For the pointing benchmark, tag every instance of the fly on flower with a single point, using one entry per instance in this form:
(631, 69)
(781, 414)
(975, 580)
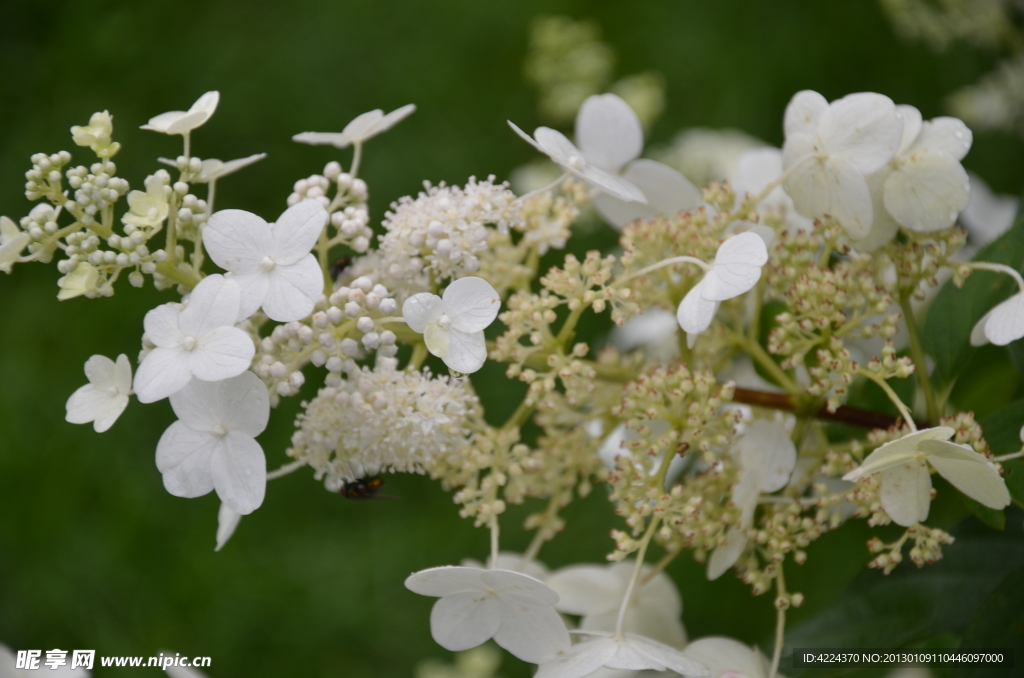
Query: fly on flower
(364, 488)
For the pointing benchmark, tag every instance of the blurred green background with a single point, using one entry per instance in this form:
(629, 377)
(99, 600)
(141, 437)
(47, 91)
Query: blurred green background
(95, 554)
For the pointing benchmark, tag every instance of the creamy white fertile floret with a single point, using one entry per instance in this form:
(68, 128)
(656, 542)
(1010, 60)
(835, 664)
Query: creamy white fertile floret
(271, 263)
(444, 228)
(829, 150)
(183, 122)
(212, 446)
(199, 340)
(104, 398)
(382, 420)
(453, 325)
(12, 241)
(611, 138)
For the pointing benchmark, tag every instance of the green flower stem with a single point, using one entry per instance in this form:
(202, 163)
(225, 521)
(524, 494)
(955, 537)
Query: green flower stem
(179, 276)
(765, 361)
(900, 405)
(920, 365)
(780, 624)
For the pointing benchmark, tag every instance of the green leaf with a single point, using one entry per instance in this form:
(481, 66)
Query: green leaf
(991, 517)
(998, 623)
(947, 329)
(1002, 433)
(988, 382)
(912, 607)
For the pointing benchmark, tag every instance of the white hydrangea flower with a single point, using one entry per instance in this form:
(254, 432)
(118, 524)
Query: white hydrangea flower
(509, 560)
(104, 398)
(553, 144)
(453, 325)
(12, 241)
(362, 128)
(829, 150)
(754, 171)
(595, 592)
(227, 522)
(183, 122)
(704, 155)
(198, 341)
(735, 270)
(766, 457)
(654, 331)
(1001, 325)
(906, 485)
(728, 658)
(213, 169)
(382, 420)
(8, 667)
(988, 215)
(271, 263)
(213, 444)
(476, 605)
(444, 228)
(611, 138)
(148, 208)
(82, 280)
(627, 652)
(923, 187)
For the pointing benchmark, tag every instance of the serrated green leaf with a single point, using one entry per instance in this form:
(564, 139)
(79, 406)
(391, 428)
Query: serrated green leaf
(947, 328)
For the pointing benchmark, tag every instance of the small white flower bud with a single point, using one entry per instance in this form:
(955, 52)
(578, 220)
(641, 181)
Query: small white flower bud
(334, 364)
(361, 244)
(350, 347)
(305, 334)
(296, 379)
(388, 306)
(387, 338)
(371, 340)
(332, 170)
(180, 187)
(334, 314)
(320, 320)
(278, 370)
(352, 309)
(136, 279)
(365, 324)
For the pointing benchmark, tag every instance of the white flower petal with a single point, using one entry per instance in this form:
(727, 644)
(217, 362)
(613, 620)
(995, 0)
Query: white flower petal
(161, 325)
(164, 371)
(804, 112)
(906, 492)
(737, 267)
(612, 184)
(240, 404)
(518, 587)
(927, 191)
(229, 167)
(896, 452)
(726, 555)
(768, 452)
(619, 213)
(586, 589)
(471, 304)
(526, 137)
(467, 351)
(969, 472)
(444, 581)
(227, 523)
(666, 190)
(213, 303)
(239, 471)
(533, 633)
(666, 656)
(864, 129)
(912, 122)
(828, 186)
(89, 404)
(184, 456)
(293, 290)
(336, 139)
(581, 660)
(988, 215)
(1006, 321)
(437, 340)
(558, 147)
(99, 370)
(695, 313)
(608, 132)
(362, 125)
(883, 227)
(221, 354)
(463, 620)
(393, 118)
(297, 231)
(421, 309)
(252, 289)
(949, 135)
(206, 104)
(237, 240)
(11, 249)
(123, 374)
(722, 655)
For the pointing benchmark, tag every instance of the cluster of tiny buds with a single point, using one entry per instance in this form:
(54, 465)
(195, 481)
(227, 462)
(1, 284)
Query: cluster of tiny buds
(45, 174)
(927, 548)
(323, 338)
(890, 366)
(96, 188)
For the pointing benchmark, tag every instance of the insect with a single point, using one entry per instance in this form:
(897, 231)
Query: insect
(364, 488)
(339, 266)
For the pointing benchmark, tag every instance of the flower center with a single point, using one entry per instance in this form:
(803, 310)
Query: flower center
(268, 264)
(220, 430)
(444, 321)
(576, 162)
(188, 343)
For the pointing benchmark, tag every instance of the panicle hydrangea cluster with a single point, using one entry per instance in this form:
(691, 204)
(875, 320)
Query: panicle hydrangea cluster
(793, 260)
